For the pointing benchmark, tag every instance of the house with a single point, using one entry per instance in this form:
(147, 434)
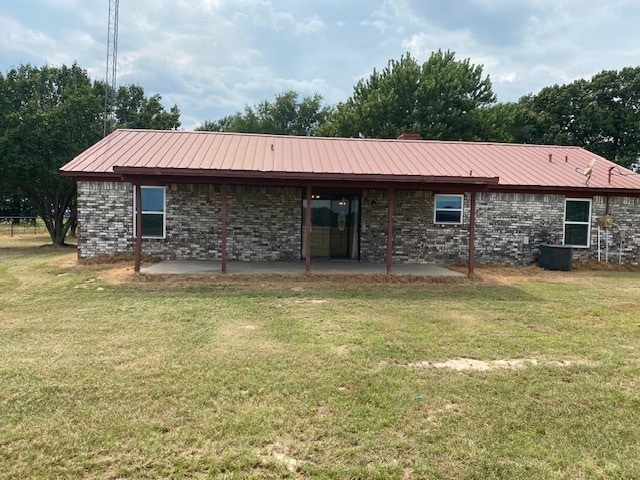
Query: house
(227, 196)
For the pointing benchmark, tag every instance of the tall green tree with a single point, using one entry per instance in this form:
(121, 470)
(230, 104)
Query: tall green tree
(135, 110)
(601, 114)
(48, 115)
(439, 99)
(286, 115)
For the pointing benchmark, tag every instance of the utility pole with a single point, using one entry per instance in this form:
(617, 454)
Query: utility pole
(110, 75)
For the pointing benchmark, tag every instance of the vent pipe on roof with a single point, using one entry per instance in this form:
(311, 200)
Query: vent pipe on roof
(551, 158)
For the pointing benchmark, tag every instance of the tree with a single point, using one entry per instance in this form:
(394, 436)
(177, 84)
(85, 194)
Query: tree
(449, 94)
(601, 115)
(49, 115)
(496, 123)
(134, 110)
(284, 116)
(438, 99)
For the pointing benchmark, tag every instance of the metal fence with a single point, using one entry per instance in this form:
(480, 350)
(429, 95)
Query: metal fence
(11, 226)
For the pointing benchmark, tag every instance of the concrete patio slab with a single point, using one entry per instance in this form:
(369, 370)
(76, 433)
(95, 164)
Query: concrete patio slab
(199, 267)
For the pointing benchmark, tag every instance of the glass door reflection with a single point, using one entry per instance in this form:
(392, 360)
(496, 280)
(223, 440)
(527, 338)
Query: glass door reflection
(335, 227)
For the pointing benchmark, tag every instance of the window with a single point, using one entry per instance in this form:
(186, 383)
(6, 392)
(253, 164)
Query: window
(577, 222)
(448, 209)
(153, 212)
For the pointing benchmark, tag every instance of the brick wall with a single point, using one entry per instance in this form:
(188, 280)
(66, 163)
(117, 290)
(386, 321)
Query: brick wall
(623, 236)
(511, 226)
(264, 224)
(192, 224)
(417, 239)
(105, 218)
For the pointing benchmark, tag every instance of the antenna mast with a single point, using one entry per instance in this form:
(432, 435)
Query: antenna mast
(110, 75)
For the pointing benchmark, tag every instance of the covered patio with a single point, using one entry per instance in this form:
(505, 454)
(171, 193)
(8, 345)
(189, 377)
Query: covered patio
(321, 267)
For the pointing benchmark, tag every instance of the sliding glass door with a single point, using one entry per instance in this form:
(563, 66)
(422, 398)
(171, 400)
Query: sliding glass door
(335, 227)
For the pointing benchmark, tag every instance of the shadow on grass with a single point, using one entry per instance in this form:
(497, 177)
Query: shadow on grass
(33, 244)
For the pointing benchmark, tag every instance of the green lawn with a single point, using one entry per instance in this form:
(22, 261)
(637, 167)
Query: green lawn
(103, 375)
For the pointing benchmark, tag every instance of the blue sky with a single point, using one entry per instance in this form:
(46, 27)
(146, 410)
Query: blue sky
(212, 57)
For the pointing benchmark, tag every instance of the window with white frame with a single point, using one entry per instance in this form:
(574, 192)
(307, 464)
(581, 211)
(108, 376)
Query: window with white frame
(577, 222)
(448, 208)
(153, 212)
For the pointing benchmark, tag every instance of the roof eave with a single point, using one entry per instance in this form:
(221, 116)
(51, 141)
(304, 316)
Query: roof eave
(127, 172)
(580, 190)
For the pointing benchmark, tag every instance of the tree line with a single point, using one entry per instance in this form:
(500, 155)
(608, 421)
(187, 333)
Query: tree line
(449, 99)
(48, 115)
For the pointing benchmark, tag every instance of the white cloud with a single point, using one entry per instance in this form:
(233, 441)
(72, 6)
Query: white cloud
(20, 39)
(382, 18)
(509, 77)
(313, 25)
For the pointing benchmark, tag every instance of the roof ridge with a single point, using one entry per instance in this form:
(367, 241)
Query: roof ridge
(356, 139)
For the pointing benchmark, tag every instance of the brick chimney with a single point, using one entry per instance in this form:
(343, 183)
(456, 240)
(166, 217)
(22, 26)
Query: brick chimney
(409, 136)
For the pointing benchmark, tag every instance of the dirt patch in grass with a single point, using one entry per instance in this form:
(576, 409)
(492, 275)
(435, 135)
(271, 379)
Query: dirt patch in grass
(117, 258)
(281, 454)
(595, 266)
(462, 363)
(505, 274)
(117, 275)
(447, 409)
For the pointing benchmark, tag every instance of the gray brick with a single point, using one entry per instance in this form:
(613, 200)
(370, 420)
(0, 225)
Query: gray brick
(264, 224)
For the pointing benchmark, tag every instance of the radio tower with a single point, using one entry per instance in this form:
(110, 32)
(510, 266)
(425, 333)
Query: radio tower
(110, 76)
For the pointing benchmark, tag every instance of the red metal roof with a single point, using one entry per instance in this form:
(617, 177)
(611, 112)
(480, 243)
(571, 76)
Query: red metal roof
(211, 154)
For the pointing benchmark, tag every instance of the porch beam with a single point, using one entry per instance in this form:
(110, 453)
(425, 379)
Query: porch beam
(138, 227)
(472, 233)
(223, 193)
(390, 231)
(307, 232)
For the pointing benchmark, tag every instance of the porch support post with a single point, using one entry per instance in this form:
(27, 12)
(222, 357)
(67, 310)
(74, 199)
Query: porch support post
(138, 227)
(472, 233)
(307, 232)
(390, 231)
(223, 248)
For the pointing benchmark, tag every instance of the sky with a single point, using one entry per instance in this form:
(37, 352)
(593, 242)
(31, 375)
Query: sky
(213, 57)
